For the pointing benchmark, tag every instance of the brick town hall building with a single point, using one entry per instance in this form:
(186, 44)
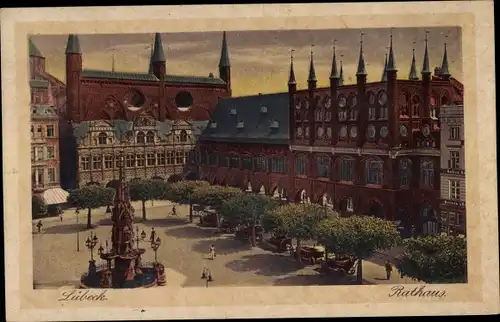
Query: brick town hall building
(154, 117)
(369, 148)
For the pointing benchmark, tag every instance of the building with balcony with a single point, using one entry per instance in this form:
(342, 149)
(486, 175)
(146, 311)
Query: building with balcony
(452, 206)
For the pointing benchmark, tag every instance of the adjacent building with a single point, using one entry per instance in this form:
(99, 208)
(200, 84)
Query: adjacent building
(452, 208)
(152, 117)
(369, 148)
(47, 95)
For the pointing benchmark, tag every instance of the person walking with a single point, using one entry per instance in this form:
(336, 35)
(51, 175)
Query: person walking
(388, 270)
(212, 252)
(61, 215)
(39, 226)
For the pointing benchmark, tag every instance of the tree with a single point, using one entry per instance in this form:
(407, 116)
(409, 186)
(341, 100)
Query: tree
(214, 196)
(91, 197)
(144, 190)
(38, 206)
(297, 221)
(434, 259)
(181, 192)
(358, 237)
(247, 209)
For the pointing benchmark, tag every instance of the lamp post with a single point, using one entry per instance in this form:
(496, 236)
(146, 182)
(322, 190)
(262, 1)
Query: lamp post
(138, 237)
(155, 244)
(91, 242)
(77, 212)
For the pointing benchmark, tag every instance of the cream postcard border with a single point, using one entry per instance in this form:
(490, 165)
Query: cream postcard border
(480, 295)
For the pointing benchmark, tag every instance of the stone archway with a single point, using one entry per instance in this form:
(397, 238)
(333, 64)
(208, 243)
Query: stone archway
(428, 220)
(279, 193)
(302, 197)
(249, 188)
(326, 201)
(346, 205)
(262, 190)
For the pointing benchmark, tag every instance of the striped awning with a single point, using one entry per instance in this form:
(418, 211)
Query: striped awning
(55, 196)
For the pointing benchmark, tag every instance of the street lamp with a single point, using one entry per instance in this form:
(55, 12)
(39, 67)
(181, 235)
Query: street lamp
(91, 242)
(138, 237)
(77, 212)
(155, 244)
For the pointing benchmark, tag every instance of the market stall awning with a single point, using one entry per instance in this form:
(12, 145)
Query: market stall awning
(55, 196)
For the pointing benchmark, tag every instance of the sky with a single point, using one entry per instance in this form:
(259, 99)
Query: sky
(260, 60)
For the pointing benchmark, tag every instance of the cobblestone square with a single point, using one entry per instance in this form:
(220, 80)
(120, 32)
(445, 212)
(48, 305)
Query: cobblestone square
(184, 252)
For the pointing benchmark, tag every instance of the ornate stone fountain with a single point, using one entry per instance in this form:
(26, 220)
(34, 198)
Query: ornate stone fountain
(124, 267)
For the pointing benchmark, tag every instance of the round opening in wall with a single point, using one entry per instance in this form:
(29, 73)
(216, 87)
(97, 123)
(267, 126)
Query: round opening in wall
(183, 100)
(134, 100)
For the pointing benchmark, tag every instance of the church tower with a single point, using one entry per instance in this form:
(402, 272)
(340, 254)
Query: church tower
(73, 72)
(224, 64)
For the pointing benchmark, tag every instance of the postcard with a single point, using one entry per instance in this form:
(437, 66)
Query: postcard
(305, 160)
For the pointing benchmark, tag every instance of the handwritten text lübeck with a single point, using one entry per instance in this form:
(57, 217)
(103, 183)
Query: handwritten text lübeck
(418, 291)
(83, 295)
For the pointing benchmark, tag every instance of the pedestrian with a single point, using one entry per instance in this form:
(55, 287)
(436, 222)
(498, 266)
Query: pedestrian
(60, 215)
(174, 211)
(388, 269)
(212, 252)
(39, 226)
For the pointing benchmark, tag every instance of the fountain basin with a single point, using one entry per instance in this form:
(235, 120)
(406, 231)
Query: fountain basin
(144, 280)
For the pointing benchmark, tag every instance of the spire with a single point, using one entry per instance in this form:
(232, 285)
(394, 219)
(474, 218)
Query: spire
(312, 71)
(391, 63)
(158, 54)
(73, 46)
(413, 69)
(334, 74)
(224, 55)
(34, 52)
(425, 67)
(361, 62)
(150, 71)
(291, 79)
(444, 66)
(384, 72)
(341, 79)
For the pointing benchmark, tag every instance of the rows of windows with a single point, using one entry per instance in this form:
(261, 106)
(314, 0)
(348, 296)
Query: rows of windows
(40, 176)
(43, 153)
(140, 138)
(261, 164)
(107, 161)
(39, 131)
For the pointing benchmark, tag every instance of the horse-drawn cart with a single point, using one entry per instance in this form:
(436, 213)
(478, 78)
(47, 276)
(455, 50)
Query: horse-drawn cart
(343, 266)
(311, 254)
(282, 243)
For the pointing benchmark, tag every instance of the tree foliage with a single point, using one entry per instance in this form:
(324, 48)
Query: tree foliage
(144, 190)
(434, 259)
(247, 210)
(214, 195)
(357, 236)
(182, 191)
(91, 197)
(38, 206)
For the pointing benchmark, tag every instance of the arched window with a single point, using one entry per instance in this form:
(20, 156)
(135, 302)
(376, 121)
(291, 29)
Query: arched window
(346, 169)
(404, 172)
(374, 171)
(427, 173)
(415, 106)
(183, 136)
(32, 131)
(323, 166)
(141, 137)
(246, 162)
(428, 219)
(278, 165)
(301, 164)
(102, 138)
(150, 137)
(260, 164)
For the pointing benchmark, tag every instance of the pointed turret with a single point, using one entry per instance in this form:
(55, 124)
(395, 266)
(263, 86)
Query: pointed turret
(391, 62)
(425, 66)
(312, 71)
(150, 70)
(445, 72)
(361, 61)
(291, 79)
(158, 54)
(224, 64)
(334, 73)
(224, 55)
(341, 76)
(33, 50)
(384, 72)
(413, 69)
(73, 45)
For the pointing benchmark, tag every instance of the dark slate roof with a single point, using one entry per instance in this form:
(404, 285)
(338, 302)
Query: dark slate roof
(118, 75)
(91, 73)
(39, 83)
(73, 46)
(43, 112)
(34, 52)
(260, 125)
